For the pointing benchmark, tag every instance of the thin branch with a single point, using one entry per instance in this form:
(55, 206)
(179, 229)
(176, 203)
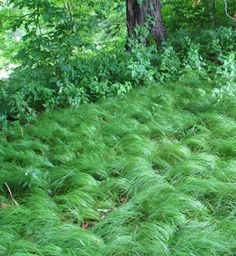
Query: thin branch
(226, 11)
(10, 193)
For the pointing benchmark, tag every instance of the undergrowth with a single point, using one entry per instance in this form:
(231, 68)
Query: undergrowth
(152, 173)
(90, 76)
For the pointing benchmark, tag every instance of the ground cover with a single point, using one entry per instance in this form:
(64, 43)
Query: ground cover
(149, 173)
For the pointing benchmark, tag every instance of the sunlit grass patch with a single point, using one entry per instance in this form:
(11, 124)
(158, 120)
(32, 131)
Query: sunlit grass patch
(152, 173)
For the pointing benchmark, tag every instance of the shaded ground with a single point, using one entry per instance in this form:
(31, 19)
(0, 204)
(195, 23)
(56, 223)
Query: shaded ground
(152, 173)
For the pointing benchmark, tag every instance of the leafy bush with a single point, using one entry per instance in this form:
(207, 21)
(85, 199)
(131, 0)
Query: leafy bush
(211, 42)
(226, 78)
(196, 14)
(64, 75)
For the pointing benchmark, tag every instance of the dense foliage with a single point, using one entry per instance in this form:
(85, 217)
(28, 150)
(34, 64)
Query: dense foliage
(70, 53)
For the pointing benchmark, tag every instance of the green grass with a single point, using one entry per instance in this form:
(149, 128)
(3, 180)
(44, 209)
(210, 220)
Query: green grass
(152, 173)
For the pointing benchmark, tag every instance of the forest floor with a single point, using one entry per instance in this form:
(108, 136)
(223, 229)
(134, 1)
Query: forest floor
(149, 173)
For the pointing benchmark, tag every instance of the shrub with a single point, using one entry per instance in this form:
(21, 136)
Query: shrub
(105, 73)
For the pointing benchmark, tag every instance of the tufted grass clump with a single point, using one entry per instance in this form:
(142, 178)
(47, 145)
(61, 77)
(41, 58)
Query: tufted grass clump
(151, 173)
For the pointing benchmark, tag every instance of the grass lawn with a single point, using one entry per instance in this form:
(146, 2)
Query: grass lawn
(152, 173)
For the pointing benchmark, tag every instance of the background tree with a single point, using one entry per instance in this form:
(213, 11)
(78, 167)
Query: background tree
(145, 13)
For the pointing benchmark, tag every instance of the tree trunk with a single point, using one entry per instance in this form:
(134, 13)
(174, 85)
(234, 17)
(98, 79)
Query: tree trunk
(213, 8)
(145, 13)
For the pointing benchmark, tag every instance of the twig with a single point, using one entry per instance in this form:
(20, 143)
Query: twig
(22, 131)
(226, 11)
(12, 198)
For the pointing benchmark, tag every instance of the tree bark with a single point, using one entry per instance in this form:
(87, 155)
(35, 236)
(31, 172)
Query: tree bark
(145, 13)
(214, 19)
